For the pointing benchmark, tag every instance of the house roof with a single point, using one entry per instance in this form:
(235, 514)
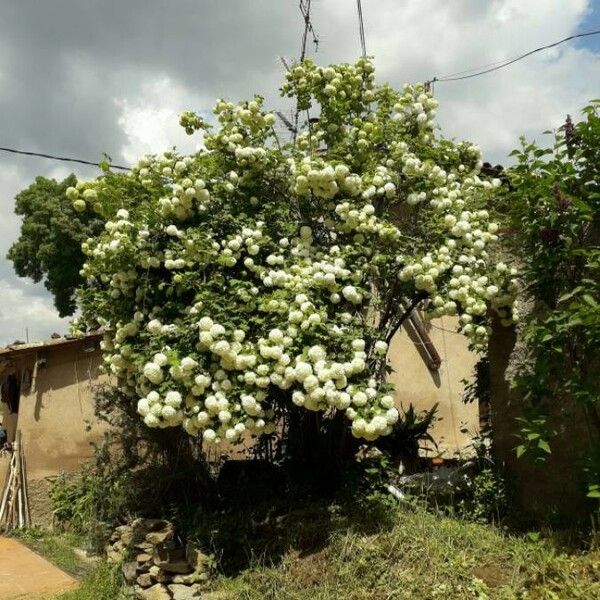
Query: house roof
(15, 350)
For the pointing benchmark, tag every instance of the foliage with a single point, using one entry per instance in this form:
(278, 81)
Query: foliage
(138, 471)
(88, 502)
(52, 232)
(554, 211)
(257, 277)
(487, 497)
(407, 436)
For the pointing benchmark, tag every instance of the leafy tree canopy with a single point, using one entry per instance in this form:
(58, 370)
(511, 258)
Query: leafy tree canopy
(49, 247)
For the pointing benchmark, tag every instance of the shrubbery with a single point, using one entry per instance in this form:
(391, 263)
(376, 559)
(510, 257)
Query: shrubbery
(254, 280)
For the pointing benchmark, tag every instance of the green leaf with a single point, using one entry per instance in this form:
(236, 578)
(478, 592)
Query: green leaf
(545, 446)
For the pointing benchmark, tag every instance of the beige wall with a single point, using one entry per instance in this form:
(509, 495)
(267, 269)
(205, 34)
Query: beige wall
(55, 412)
(418, 385)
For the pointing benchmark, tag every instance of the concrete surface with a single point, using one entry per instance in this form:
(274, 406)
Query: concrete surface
(26, 575)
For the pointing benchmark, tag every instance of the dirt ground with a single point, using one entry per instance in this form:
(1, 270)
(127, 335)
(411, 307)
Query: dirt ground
(24, 574)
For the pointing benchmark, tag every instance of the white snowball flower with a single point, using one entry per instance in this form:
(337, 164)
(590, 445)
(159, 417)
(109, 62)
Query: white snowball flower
(173, 399)
(154, 326)
(209, 436)
(153, 372)
(143, 407)
(381, 347)
(160, 359)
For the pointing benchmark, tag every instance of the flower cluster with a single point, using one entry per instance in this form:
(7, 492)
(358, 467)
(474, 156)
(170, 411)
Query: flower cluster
(255, 274)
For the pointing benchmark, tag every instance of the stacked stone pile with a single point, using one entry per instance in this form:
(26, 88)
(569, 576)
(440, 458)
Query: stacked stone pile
(156, 563)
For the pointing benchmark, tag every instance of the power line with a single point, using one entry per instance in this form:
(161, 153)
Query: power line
(361, 28)
(61, 158)
(506, 63)
(308, 28)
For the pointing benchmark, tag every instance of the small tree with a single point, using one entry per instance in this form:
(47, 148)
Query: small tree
(257, 277)
(52, 232)
(553, 207)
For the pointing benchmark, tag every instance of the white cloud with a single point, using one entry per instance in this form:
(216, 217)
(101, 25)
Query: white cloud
(415, 41)
(22, 312)
(150, 120)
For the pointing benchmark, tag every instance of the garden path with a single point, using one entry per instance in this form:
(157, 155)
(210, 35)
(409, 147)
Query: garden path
(26, 575)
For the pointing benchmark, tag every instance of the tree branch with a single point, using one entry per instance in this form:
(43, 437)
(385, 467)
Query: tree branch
(414, 303)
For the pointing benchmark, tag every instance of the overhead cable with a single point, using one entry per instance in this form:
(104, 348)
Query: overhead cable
(502, 64)
(61, 158)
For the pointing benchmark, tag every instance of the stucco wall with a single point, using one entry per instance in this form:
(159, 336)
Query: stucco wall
(55, 412)
(57, 408)
(418, 385)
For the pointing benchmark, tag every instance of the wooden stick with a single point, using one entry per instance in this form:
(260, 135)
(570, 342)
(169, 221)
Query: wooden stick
(7, 489)
(25, 490)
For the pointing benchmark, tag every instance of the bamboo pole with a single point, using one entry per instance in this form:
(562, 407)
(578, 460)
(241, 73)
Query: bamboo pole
(14, 507)
(25, 490)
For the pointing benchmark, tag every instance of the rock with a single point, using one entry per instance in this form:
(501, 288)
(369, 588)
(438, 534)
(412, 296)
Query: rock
(143, 557)
(191, 578)
(159, 575)
(161, 536)
(440, 484)
(126, 533)
(196, 558)
(156, 592)
(114, 554)
(129, 571)
(184, 592)
(145, 580)
(146, 547)
(171, 558)
(85, 556)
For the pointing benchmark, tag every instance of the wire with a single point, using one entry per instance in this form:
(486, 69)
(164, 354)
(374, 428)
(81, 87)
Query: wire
(502, 64)
(361, 28)
(61, 158)
(308, 28)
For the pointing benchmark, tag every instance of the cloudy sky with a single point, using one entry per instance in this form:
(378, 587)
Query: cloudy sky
(78, 78)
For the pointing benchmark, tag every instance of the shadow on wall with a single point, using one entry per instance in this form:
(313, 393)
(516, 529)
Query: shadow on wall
(554, 491)
(414, 337)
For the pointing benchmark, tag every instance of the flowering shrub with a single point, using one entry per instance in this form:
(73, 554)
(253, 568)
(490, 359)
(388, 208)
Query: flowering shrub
(257, 270)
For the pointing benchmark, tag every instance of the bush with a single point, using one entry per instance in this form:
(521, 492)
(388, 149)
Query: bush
(242, 283)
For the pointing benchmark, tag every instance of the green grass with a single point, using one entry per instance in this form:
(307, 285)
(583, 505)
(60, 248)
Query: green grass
(58, 548)
(99, 581)
(420, 555)
(102, 583)
(329, 552)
